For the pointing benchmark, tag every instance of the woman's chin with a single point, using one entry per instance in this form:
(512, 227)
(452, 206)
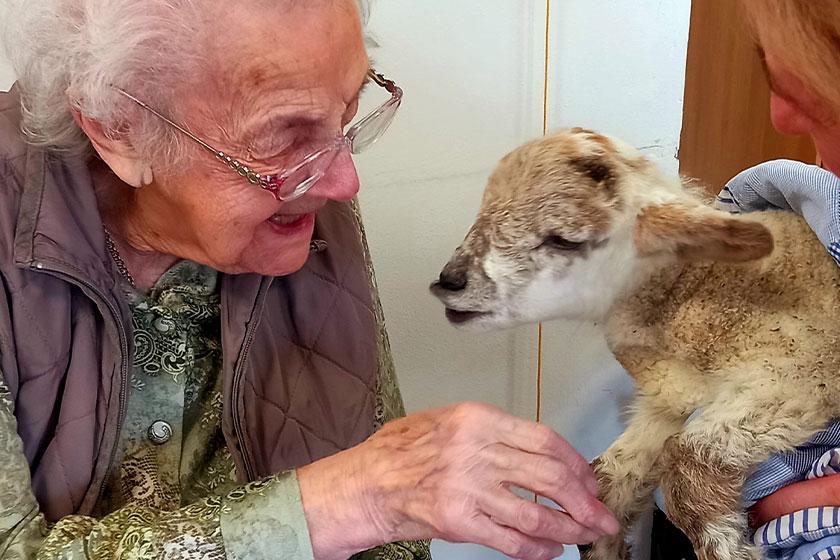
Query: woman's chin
(289, 264)
(274, 255)
(272, 251)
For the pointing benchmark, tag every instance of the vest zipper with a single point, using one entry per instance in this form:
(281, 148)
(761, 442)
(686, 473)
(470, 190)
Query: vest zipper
(238, 372)
(62, 274)
(89, 288)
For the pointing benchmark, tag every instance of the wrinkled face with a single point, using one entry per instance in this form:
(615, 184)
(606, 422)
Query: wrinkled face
(545, 240)
(284, 80)
(570, 223)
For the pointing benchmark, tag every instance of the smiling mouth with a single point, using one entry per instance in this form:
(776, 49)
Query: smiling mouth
(287, 219)
(460, 317)
(291, 224)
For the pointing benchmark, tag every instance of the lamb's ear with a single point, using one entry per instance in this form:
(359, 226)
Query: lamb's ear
(695, 232)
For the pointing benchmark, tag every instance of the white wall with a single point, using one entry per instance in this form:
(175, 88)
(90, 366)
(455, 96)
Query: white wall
(619, 67)
(473, 88)
(472, 71)
(6, 75)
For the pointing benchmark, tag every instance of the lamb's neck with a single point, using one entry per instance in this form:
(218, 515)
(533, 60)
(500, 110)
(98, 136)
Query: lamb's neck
(631, 310)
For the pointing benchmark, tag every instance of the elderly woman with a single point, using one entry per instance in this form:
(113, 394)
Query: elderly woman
(192, 351)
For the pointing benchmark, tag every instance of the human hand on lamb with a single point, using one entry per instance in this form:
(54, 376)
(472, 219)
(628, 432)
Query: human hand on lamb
(450, 473)
(819, 492)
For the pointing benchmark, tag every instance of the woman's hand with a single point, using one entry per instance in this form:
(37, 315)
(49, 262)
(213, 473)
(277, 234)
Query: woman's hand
(801, 495)
(448, 474)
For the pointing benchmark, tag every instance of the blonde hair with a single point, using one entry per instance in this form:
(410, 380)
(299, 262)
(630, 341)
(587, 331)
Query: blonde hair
(804, 35)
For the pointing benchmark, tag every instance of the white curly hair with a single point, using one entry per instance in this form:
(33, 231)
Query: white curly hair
(73, 51)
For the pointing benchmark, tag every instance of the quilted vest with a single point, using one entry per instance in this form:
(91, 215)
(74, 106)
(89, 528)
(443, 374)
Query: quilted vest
(300, 352)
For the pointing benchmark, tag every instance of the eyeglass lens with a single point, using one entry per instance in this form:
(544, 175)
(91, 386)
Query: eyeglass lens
(370, 129)
(295, 182)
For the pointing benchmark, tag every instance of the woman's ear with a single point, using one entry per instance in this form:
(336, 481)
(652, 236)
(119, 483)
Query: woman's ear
(117, 153)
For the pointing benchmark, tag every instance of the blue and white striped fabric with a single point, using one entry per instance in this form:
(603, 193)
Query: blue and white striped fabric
(808, 190)
(807, 534)
(814, 193)
(826, 549)
(783, 468)
(828, 464)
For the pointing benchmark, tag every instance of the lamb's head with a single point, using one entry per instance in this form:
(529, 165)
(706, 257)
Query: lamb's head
(572, 221)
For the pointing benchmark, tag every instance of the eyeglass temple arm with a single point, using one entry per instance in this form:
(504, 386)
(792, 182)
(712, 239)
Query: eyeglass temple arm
(173, 124)
(265, 181)
(374, 75)
(384, 82)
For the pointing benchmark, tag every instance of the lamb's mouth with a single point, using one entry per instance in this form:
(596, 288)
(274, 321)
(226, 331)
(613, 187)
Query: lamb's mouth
(457, 317)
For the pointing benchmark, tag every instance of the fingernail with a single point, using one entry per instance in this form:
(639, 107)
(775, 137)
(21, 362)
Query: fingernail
(610, 525)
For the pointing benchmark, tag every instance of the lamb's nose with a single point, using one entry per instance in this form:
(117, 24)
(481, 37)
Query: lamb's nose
(453, 278)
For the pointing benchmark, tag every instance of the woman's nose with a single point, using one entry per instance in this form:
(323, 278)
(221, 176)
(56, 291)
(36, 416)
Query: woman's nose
(341, 182)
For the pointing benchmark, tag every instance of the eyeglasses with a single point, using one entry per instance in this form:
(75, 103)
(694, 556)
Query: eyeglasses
(294, 181)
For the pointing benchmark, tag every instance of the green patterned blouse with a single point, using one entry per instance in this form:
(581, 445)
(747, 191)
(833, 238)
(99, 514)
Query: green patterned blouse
(175, 494)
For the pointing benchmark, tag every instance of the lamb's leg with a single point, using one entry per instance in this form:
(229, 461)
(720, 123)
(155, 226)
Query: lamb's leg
(705, 466)
(627, 471)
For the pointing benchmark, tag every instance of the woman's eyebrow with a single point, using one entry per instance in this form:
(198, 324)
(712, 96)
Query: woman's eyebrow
(299, 118)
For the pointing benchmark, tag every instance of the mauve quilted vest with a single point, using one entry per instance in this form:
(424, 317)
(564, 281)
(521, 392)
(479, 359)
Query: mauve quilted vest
(300, 352)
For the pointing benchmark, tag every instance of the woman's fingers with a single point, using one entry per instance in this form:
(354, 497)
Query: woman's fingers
(542, 440)
(447, 474)
(800, 495)
(553, 479)
(513, 543)
(536, 520)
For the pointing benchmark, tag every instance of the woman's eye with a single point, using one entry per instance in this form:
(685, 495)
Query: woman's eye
(271, 149)
(559, 243)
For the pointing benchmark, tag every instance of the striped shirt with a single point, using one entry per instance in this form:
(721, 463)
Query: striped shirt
(807, 534)
(808, 190)
(783, 468)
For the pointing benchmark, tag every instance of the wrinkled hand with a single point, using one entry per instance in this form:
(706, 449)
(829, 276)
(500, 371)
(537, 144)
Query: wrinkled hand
(448, 474)
(798, 496)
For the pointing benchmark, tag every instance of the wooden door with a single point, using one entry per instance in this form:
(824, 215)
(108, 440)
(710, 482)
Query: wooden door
(726, 119)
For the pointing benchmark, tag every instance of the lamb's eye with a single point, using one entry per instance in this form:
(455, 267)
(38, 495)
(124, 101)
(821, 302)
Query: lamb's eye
(559, 243)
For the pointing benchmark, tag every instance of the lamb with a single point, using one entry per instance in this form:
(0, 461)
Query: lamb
(728, 318)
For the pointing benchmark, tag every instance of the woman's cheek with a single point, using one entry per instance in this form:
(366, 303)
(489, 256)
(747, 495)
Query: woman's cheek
(788, 118)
